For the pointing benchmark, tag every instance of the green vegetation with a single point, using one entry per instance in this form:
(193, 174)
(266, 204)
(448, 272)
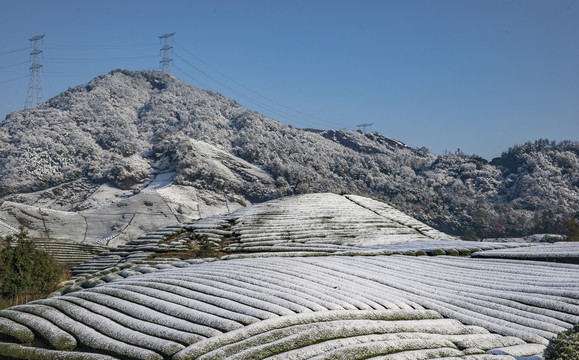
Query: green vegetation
(565, 346)
(437, 252)
(572, 228)
(181, 234)
(452, 252)
(26, 273)
(464, 252)
(207, 249)
(470, 235)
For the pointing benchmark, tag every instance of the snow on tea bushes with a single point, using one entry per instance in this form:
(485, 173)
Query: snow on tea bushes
(567, 252)
(338, 333)
(56, 337)
(15, 331)
(322, 222)
(69, 252)
(450, 295)
(391, 213)
(14, 351)
(487, 296)
(330, 306)
(137, 251)
(299, 226)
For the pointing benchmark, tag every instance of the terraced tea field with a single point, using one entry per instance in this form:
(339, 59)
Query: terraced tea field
(561, 252)
(224, 308)
(315, 291)
(305, 225)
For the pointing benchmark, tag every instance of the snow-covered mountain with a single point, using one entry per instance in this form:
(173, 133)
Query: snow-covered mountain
(99, 144)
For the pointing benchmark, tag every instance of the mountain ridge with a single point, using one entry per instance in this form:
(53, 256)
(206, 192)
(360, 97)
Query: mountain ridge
(125, 127)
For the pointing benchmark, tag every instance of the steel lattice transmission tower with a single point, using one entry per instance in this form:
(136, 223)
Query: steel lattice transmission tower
(364, 126)
(35, 94)
(166, 52)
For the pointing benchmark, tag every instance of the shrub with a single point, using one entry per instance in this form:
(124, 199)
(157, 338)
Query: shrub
(452, 252)
(565, 346)
(207, 249)
(437, 252)
(464, 252)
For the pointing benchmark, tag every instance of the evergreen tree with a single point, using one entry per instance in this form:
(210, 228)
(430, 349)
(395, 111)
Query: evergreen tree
(572, 228)
(565, 346)
(206, 247)
(470, 235)
(25, 271)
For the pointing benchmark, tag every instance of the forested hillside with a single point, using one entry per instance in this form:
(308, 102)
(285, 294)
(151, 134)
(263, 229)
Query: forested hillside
(125, 126)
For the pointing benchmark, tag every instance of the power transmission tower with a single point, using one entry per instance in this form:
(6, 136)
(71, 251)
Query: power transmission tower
(166, 52)
(35, 94)
(364, 126)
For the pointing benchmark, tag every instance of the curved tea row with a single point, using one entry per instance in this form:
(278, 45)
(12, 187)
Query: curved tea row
(323, 222)
(175, 312)
(565, 252)
(304, 225)
(351, 335)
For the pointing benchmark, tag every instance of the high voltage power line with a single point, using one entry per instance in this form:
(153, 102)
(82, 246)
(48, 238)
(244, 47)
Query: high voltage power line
(92, 60)
(14, 79)
(248, 98)
(68, 73)
(13, 65)
(250, 90)
(3, 67)
(267, 103)
(71, 47)
(213, 75)
(13, 51)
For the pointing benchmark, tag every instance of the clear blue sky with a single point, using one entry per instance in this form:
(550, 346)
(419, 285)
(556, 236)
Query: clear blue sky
(476, 75)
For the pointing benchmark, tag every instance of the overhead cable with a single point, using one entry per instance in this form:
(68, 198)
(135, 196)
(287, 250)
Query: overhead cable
(250, 99)
(10, 80)
(252, 91)
(12, 65)
(67, 73)
(73, 60)
(196, 80)
(96, 48)
(13, 51)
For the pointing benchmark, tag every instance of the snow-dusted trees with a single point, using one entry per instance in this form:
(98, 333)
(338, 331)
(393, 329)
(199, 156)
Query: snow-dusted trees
(90, 131)
(564, 346)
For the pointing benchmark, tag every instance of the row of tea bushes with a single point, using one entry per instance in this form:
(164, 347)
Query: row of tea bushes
(350, 335)
(169, 311)
(565, 252)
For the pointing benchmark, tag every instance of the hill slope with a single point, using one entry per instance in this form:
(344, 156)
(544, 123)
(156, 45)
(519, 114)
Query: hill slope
(124, 127)
(313, 276)
(334, 306)
(302, 225)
